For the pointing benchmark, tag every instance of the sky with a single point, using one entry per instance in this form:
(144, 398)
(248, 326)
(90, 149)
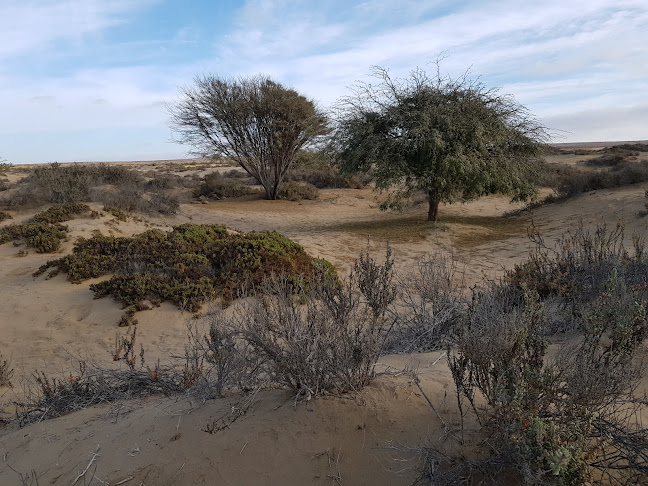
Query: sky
(90, 80)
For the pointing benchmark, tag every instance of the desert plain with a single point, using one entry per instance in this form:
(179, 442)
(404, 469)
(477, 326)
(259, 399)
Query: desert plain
(375, 436)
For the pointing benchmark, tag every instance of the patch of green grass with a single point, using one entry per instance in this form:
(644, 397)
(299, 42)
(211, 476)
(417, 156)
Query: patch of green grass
(397, 230)
(412, 229)
(484, 229)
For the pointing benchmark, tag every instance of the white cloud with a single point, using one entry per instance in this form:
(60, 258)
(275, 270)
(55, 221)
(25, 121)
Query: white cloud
(37, 24)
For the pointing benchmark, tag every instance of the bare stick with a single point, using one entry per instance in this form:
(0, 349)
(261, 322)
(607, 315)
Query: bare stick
(129, 478)
(243, 448)
(94, 456)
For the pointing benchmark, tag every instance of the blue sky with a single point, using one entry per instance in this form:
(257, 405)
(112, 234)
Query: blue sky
(88, 79)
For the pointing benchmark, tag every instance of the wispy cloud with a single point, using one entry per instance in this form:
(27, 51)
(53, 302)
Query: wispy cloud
(38, 24)
(73, 66)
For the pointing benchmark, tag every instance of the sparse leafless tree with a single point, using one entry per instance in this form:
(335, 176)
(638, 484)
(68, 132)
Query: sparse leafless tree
(256, 122)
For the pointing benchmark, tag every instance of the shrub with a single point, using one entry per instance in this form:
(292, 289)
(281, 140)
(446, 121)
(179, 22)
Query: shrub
(430, 302)
(43, 237)
(330, 333)
(4, 216)
(4, 166)
(560, 421)
(580, 262)
(607, 160)
(118, 214)
(318, 169)
(187, 266)
(112, 185)
(60, 213)
(296, 191)
(214, 185)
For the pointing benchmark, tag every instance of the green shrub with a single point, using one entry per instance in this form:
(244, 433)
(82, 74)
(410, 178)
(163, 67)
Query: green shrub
(297, 191)
(60, 213)
(43, 232)
(43, 237)
(187, 266)
(117, 213)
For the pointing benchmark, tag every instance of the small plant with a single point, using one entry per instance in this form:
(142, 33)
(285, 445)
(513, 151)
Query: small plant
(6, 372)
(118, 214)
(60, 213)
(4, 216)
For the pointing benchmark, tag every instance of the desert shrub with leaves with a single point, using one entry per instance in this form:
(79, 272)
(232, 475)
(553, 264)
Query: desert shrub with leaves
(43, 237)
(44, 232)
(60, 213)
(4, 216)
(186, 266)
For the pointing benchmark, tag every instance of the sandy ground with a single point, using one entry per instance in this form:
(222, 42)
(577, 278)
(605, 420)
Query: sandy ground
(372, 439)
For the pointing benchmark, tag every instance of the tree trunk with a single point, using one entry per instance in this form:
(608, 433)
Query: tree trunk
(433, 210)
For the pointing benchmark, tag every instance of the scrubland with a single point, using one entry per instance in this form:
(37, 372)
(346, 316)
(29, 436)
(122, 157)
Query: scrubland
(162, 323)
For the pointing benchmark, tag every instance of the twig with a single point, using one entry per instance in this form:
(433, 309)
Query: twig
(181, 468)
(445, 424)
(81, 474)
(129, 478)
(243, 448)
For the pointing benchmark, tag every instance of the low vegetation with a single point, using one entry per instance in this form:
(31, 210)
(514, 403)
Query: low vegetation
(4, 216)
(43, 231)
(572, 419)
(112, 185)
(217, 186)
(186, 266)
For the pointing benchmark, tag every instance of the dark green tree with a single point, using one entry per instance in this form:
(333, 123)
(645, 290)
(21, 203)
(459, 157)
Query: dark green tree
(255, 122)
(453, 139)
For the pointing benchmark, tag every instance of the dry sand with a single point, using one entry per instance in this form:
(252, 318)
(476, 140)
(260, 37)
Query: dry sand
(51, 324)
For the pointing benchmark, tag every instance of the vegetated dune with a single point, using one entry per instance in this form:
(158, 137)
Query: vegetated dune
(373, 437)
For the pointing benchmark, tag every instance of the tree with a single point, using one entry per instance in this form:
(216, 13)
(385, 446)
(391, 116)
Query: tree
(454, 139)
(254, 121)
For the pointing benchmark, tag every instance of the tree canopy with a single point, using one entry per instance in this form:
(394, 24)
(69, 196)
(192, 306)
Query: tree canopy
(453, 139)
(256, 122)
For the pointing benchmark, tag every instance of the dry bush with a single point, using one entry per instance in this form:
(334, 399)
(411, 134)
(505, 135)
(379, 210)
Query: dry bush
(217, 359)
(4, 216)
(49, 396)
(431, 300)
(111, 185)
(571, 419)
(319, 169)
(6, 372)
(297, 191)
(216, 186)
(571, 273)
(320, 335)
